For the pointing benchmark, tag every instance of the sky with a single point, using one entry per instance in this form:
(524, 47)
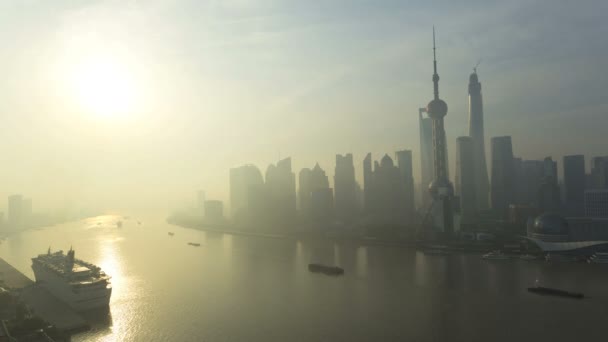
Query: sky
(142, 103)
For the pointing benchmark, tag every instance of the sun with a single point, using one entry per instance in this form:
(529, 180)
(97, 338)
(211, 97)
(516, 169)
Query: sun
(104, 87)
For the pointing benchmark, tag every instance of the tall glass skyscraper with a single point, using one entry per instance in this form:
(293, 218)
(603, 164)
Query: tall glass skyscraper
(476, 132)
(503, 175)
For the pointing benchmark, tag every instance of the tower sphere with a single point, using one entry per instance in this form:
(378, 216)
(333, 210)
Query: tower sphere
(437, 109)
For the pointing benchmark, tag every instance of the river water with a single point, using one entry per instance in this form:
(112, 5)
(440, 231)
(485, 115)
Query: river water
(240, 288)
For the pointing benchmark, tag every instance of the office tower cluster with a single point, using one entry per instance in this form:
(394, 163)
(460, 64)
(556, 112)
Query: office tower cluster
(386, 199)
(389, 189)
(515, 186)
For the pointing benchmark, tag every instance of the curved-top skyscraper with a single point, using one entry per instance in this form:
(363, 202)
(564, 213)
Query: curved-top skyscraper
(441, 189)
(482, 184)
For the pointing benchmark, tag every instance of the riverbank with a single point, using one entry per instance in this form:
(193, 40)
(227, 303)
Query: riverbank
(453, 246)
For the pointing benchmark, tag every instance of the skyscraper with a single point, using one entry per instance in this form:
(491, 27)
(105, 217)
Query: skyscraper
(549, 198)
(367, 183)
(476, 131)
(242, 180)
(599, 173)
(528, 176)
(426, 156)
(15, 211)
(404, 163)
(281, 185)
(441, 189)
(502, 191)
(345, 188)
(574, 183)
(465, 180)
(315, 195)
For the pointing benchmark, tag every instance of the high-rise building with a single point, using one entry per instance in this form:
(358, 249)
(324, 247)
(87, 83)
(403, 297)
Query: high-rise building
(426, 156)
(502, 186)
(315, 195)
(200, 200)
(242, 180)
(549, 196)
(466, 177)
(404, 163)
(214, 211)
(599, 173)
(367, 183)
(596, 203)
(281, 184)
(528, 177)
(345, 188)
(574, 183)
(441, 189)
(476, 131)
(387, 193)
(15, 211)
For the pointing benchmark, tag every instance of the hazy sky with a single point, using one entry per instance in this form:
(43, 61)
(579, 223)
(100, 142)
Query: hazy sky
(215, 84)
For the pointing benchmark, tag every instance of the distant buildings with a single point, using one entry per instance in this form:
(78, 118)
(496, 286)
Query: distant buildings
(549, 197)
(15, 211)
(596, 203)
(465, 183)
(281, 187)
(574, 184)
(345, 188)
(367, 183)
(315, 195)
(599, 173)
(214, 211)
(387, 201)
(406, 170)
(245, 184)
(476, 132)
(200, 201)
(503, 182)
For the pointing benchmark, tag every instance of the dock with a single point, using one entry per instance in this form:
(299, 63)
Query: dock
(12, 277)
(41, 302)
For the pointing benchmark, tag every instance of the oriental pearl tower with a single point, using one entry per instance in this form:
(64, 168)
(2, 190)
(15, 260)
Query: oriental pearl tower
(441, 190)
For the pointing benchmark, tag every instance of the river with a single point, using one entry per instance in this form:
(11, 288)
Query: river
(242, 288)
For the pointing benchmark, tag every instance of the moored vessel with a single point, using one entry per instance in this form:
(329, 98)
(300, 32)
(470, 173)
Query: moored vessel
(81, 285)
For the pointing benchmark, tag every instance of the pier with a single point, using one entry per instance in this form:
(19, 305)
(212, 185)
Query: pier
(42, 303)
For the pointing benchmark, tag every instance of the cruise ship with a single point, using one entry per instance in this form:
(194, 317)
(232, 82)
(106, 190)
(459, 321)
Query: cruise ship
(81, 285)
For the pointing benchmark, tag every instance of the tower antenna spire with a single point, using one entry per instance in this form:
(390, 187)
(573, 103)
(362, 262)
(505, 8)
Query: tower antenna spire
(435, 75)
(476, 65)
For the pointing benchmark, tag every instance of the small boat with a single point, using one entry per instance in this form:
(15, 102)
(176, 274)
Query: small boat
(528, 257)
(329, 270)
(555, 292)
(194, 244)
(171, 233)
(496, 255)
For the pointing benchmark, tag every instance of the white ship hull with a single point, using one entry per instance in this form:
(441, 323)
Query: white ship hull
(80, 298)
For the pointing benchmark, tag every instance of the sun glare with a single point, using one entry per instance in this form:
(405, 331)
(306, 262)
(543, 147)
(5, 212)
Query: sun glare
(104, 87)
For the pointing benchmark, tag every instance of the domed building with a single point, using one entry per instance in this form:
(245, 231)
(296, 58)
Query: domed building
(551, 232)
(550, 227)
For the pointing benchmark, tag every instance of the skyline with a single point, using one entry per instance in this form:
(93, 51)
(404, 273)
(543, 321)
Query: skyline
(278, 92)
